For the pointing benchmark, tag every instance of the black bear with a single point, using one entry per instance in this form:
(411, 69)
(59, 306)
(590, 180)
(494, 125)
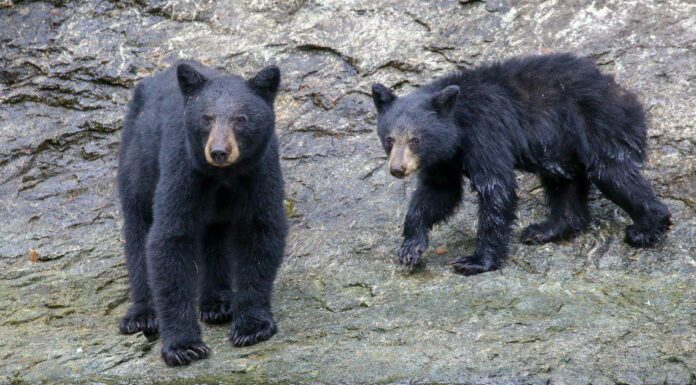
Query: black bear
(556, 116)
(202, 197)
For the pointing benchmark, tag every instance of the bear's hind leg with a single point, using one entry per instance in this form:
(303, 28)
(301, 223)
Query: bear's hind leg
(216, 292)
(569, 213)
(624, 185)
(141, 314)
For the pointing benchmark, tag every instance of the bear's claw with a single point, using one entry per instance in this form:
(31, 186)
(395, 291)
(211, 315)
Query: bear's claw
(185, 354)
(252, 327)
(472, 265)
(411, 251)
(637, 237)
(145, 322)
(544, 232)
(218, 312)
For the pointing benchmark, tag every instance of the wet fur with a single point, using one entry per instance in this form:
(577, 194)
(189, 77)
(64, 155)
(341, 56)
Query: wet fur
(192, 229)
(556, 116)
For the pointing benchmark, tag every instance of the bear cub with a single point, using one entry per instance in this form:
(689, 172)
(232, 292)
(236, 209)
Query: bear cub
(202, 198)
(556, 116)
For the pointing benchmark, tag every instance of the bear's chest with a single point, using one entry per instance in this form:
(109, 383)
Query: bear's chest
(226, 206)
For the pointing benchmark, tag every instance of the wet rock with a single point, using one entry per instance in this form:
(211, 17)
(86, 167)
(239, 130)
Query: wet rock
(590, 310)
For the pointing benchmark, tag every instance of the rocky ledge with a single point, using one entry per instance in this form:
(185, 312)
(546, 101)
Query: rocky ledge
(592, 310)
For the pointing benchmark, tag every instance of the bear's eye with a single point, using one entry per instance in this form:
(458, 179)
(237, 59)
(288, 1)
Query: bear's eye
(414, 141)
(207, 119)
(389, 141)
(240, 119)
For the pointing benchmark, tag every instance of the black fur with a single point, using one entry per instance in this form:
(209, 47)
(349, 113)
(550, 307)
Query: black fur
(556, 116)
(193, 228)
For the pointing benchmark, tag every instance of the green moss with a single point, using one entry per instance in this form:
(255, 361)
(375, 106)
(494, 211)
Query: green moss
(290, 208)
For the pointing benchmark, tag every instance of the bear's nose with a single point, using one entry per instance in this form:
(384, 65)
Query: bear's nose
(398, 172)
(219, 155)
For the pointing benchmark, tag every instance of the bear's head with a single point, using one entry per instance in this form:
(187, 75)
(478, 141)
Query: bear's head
(418, 129)
(229, 121)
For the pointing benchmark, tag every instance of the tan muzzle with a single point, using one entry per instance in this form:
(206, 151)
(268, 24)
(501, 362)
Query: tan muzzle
(402, 161)
(221, 149)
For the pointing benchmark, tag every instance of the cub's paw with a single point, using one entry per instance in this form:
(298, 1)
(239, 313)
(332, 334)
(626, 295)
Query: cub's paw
(544, 232)
(252, 326)
(216, 312)
(184, 354)
(139, 320)
(411, 250)
(472, 265)
(638, 237)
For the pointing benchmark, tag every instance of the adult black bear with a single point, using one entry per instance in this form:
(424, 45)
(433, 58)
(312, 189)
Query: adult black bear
(202, 197)
(556, 116)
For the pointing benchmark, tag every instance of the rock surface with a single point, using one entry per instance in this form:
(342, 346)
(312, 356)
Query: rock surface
(592, 310)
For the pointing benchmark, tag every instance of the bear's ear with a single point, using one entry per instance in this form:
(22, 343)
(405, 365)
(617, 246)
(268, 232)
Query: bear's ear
(382, 96)
(190, 80)
(266, 83)
(444, 100)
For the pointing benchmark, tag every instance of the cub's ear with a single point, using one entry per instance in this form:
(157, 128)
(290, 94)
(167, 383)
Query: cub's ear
(266, 83)
(190, 80)
(444, 100)
(382, 96)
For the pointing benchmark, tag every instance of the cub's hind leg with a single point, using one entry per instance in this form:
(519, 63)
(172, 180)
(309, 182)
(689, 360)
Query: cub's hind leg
(567, 200)
(216, 291)
(623, 184)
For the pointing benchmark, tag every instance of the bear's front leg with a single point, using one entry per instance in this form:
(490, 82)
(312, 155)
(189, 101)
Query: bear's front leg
(141, 314)
(438, 193)
(258, 253)
(172, 247)
(497, 203)
(171, 256)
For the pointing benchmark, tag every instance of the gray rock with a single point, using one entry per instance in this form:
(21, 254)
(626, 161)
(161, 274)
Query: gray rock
(591, 310)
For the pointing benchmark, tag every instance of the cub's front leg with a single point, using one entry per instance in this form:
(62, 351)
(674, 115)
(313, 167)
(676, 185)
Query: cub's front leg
(497, 203)
(172, 246)
(438, 193)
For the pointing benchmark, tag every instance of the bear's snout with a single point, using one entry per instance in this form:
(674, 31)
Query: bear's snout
(219, 154)
(397, 170)
(402, 161)
(221, 149)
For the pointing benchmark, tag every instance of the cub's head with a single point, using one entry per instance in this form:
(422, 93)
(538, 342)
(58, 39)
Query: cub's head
(228, 120)
(416, 130)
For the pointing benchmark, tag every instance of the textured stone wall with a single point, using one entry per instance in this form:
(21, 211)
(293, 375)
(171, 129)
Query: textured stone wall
(591, 310)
